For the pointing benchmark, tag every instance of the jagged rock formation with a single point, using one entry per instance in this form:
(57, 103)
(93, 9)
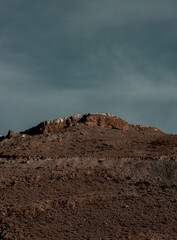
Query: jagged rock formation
(104, 120)
(10, 134)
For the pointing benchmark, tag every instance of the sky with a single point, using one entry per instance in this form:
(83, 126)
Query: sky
(63, 57)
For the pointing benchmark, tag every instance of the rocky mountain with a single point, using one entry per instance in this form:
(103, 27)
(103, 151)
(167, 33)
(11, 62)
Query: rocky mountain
(91, 176)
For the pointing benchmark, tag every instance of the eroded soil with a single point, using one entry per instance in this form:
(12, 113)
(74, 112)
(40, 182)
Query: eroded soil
(89, 183)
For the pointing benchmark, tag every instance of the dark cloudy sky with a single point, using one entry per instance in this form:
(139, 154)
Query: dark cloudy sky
(63, 57)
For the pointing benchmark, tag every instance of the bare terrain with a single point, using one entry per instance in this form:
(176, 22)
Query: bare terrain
(88, 177)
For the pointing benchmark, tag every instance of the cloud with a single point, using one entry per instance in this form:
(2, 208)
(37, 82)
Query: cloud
(64, 57)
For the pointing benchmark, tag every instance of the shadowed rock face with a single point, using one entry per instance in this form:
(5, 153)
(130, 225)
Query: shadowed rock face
(10, 134)
(104, 120)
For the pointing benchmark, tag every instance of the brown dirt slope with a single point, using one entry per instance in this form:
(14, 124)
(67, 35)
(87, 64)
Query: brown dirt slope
(91, 176)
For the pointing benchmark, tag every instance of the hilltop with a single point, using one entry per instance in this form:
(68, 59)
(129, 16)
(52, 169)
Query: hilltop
(89, 135)
(90, 176)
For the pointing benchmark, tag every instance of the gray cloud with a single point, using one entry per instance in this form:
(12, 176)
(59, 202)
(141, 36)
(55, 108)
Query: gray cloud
(64, 57)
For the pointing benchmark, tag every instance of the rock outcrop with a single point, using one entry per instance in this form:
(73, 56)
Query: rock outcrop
(10, 134)
(145, 129)
(104, 120)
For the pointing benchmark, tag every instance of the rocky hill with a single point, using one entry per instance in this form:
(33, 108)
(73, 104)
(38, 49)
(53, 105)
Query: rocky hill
(104, 120)
(91, 176)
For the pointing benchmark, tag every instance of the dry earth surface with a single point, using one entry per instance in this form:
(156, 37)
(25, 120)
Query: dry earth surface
(87, 177)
